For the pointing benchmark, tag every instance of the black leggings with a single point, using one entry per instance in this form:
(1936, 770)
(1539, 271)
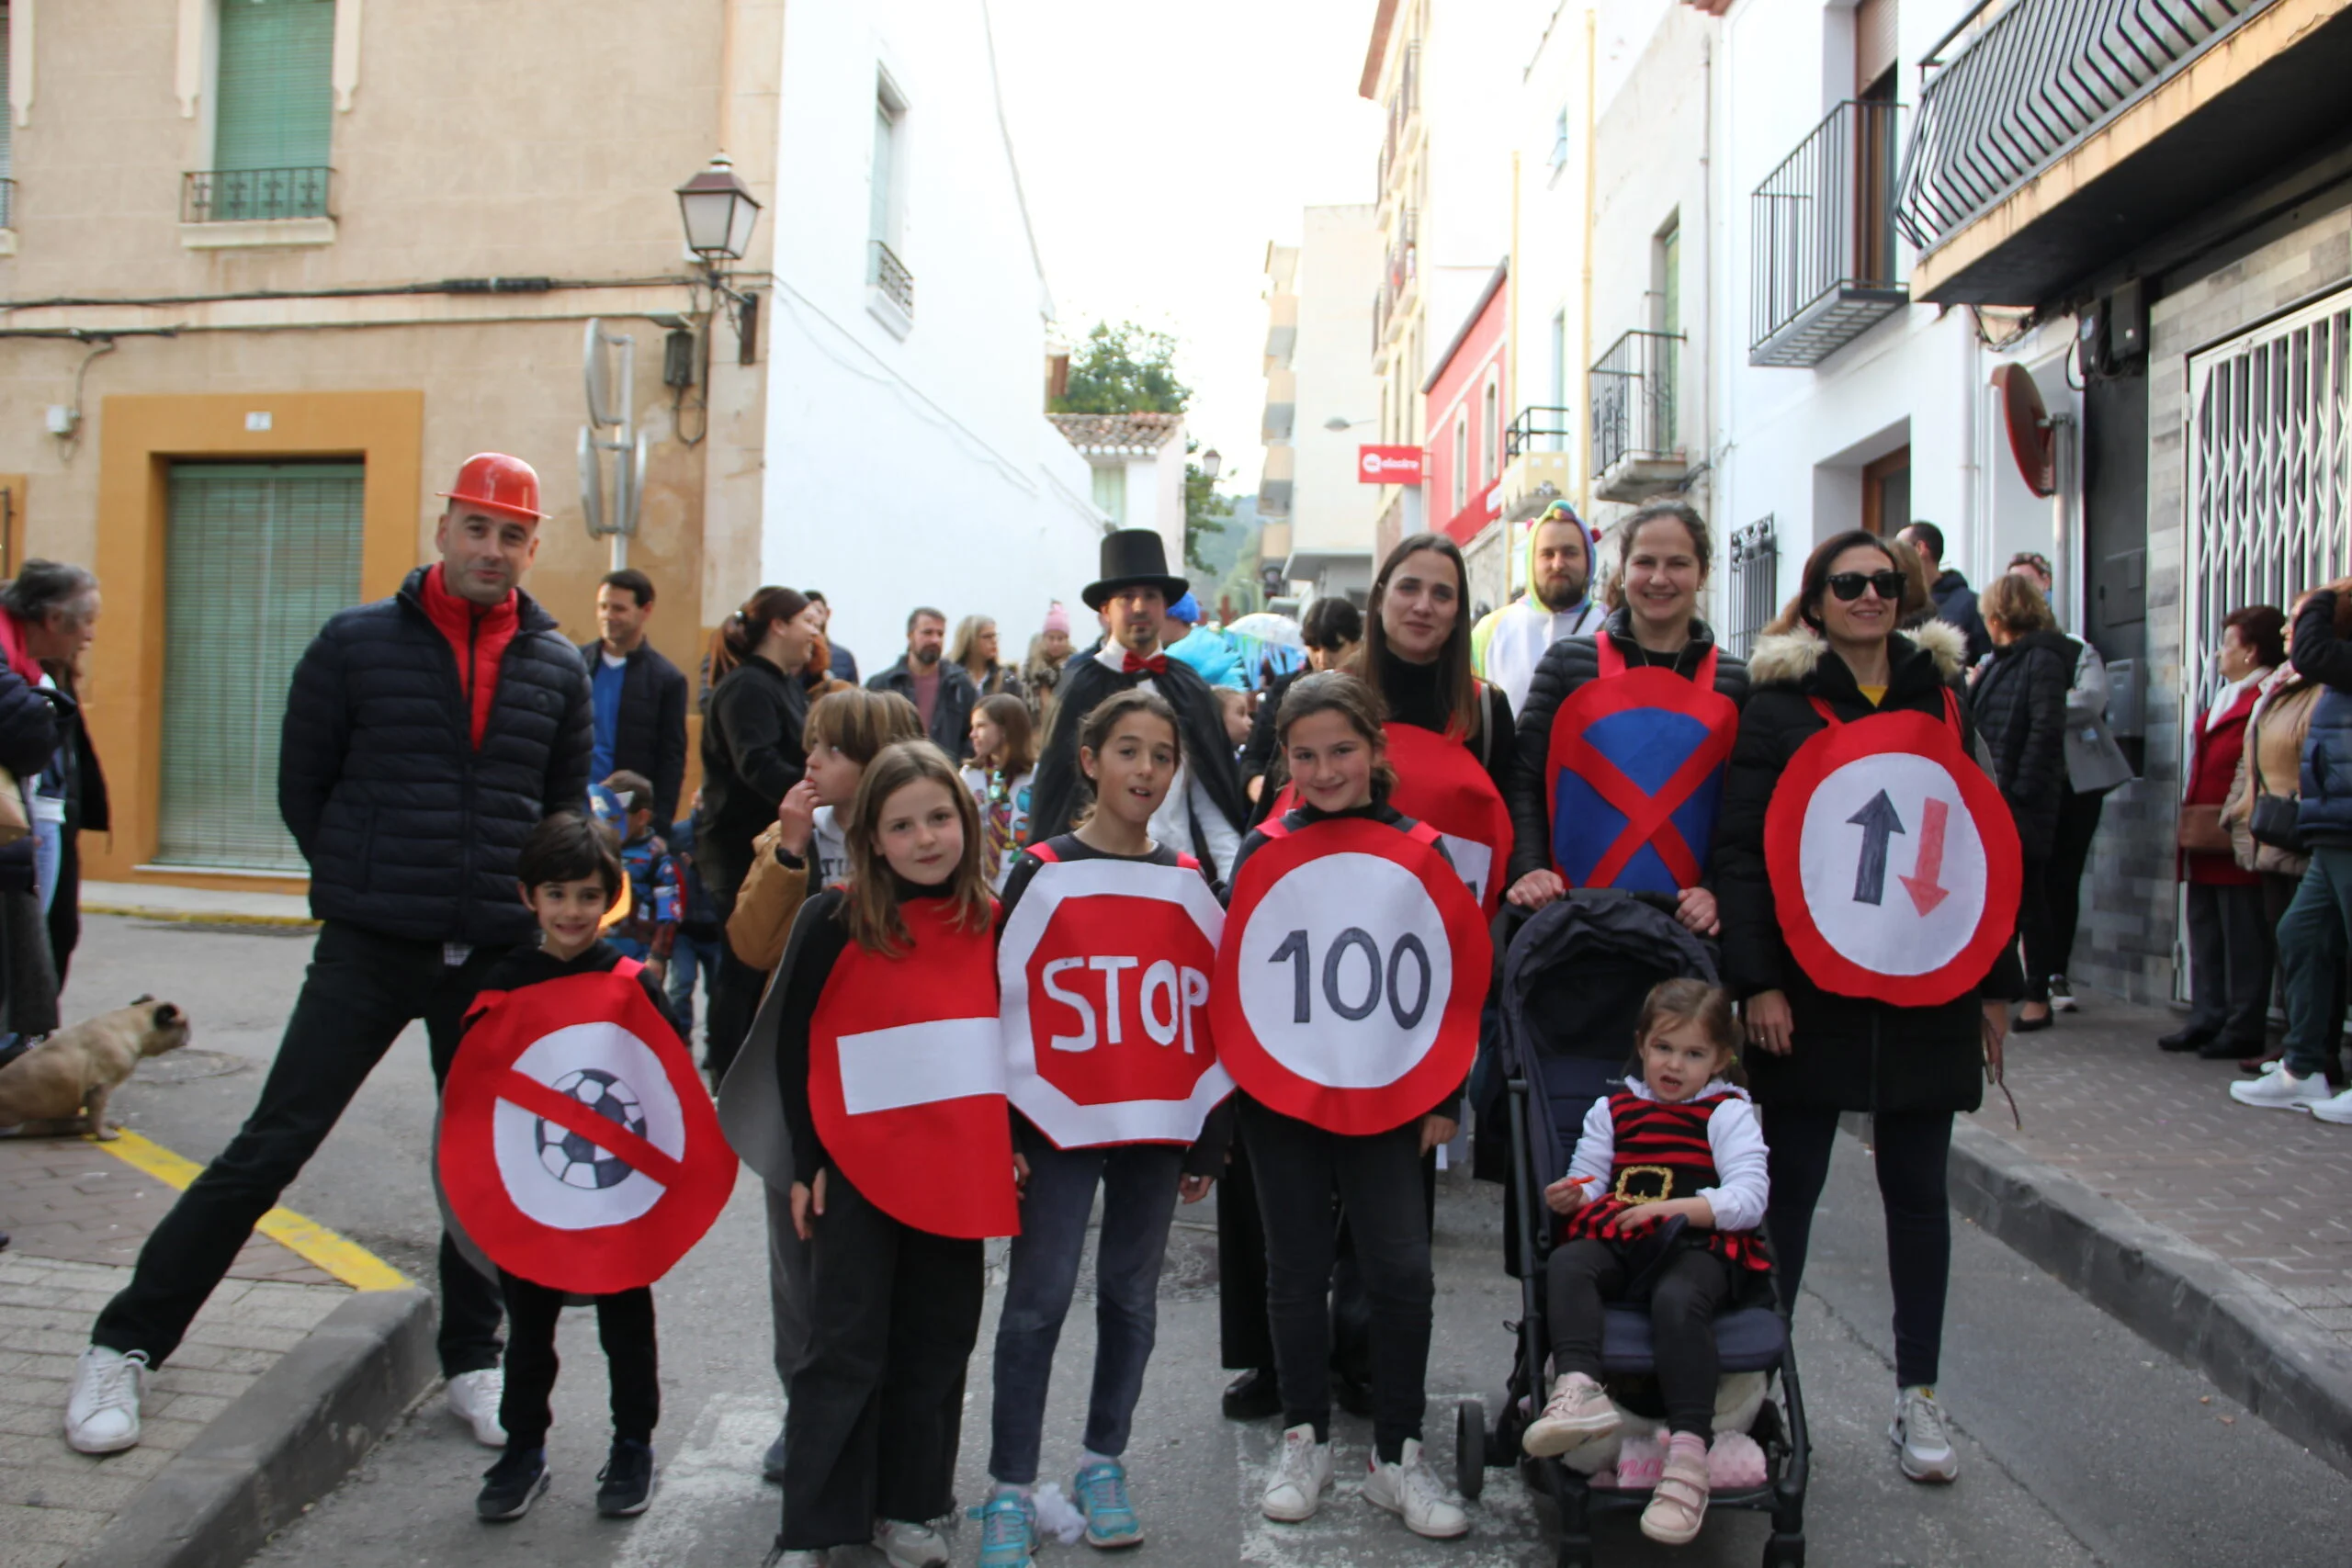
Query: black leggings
(625, 1325)
(1910, 1148)
(2070, 852)
(1587, 1272)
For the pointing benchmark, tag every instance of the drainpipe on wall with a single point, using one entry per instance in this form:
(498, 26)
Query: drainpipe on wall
(1591, 122)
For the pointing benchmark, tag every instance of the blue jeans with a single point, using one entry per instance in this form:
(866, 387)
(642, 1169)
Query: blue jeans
(2312, 934)
(49, 855)
(1138, 1183)
(690, 956)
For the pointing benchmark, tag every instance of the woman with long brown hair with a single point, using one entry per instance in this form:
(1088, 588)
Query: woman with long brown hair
(751, 756)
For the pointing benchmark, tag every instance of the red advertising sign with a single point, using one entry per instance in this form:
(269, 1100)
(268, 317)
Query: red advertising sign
(1389, 465)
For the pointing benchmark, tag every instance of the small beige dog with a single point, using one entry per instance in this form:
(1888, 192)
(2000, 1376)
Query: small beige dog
(61, 1085)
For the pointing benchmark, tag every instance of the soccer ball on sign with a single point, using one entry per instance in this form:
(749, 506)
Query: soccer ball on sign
(577, 1161)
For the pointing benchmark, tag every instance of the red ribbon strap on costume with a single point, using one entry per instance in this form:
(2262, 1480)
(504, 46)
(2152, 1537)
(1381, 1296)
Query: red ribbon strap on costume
(1951, 713)
(1046, 853)
(1612, 663)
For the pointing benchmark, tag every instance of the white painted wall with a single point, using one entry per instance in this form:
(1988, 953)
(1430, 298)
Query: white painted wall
(1339, 268)
(916, 468)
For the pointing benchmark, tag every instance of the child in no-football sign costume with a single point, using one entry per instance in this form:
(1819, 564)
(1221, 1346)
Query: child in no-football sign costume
(892, 1080)
(1144, 1135)
(1678, 1141)
(579, 1036)
(1366, 1154)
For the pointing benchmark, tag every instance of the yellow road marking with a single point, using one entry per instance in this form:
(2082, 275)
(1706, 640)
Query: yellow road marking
(306, 1239)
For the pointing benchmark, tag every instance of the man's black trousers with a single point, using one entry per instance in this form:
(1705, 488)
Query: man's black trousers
(362, 989)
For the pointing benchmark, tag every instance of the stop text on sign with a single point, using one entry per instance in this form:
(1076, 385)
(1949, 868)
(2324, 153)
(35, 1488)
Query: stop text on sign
(1166, 998)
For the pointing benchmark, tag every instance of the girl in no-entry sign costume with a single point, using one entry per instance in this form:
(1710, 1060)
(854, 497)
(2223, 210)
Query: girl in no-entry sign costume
(893, 1086)
(1331, 731)
(1106, 942)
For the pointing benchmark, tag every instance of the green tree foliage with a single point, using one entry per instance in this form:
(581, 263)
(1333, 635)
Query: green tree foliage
(1203, 510)
(1123, 369)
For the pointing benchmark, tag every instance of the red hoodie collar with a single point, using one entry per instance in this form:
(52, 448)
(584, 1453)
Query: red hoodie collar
(456, 616)
(12, 643)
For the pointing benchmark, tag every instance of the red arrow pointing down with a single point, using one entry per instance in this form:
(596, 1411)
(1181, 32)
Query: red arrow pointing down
(1922, 882)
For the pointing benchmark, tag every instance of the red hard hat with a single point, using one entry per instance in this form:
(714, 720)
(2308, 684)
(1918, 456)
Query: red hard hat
(497, 482)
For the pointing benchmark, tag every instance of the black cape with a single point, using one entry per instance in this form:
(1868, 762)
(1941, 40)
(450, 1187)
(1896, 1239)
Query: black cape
(1060, 788)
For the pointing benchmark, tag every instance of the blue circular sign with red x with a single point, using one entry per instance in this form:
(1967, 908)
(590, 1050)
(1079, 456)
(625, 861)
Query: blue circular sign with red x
(1634, 770)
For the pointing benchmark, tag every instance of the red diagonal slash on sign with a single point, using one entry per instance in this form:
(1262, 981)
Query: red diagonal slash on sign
(1649, 818)
(1935, 815)
(568, 1114)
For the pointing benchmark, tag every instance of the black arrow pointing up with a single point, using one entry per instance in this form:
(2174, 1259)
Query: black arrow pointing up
(1879, 823)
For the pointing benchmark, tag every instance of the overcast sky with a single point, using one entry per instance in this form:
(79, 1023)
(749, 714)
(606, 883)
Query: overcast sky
(1162, 147)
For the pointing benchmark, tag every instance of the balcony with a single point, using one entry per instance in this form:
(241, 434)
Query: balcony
(1400, 270)
(1636, 450)
(890, 277)
(1282, 404)
(1282, 328)
(1403, 104)
(1755, 585)
(1274, 481)
(1823, 266)
(254, 196)
(1537, 429)
(2054, 137)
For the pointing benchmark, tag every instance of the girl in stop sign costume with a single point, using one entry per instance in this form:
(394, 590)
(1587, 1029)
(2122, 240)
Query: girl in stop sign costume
(1331, 730)
(1128, 748)
(890, 996)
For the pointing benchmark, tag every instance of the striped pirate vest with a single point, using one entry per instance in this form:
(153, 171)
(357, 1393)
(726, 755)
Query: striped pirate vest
(1661, 1154)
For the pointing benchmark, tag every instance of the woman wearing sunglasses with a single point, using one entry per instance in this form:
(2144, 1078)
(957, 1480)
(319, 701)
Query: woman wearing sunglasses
(1814, 1053)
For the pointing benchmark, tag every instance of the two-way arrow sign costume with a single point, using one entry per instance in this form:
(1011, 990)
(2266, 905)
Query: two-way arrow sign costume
(1350, 979)
(1105, 970)
(578, 1148)
(1633, 776)
(906, 1077)
(1893, 860)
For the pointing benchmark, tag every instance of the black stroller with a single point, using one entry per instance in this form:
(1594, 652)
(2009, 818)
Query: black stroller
(1573, 984)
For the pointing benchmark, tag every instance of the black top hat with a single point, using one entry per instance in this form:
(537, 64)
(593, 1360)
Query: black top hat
(1131, 557)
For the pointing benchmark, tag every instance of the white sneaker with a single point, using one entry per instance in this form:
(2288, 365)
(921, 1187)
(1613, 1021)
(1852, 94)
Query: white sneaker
(2061, 995)
(1407, 1488)
(1295, 1490)
(473, 1399)
(2282, 1090)
(1924, 1447)
(102, 1410)
(909, 1545)
(2335, 1108)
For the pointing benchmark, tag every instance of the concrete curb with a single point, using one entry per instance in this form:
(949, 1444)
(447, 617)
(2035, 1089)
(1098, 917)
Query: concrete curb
(2251, 1341)
(284, 1443)
(202, 917)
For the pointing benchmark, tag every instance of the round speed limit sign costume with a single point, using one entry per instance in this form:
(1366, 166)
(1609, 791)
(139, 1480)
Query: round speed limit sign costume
(1346, 1005)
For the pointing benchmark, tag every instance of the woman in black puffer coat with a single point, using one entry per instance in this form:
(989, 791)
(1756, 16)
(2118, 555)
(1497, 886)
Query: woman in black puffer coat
(1814, 1053)
(2020, 707)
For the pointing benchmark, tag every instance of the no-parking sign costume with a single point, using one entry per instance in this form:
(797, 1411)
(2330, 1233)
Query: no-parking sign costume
(1634, 774)
(1103, 968)
(907, 1078)
(578, 1149)
(1893, 860)
(1350, 979)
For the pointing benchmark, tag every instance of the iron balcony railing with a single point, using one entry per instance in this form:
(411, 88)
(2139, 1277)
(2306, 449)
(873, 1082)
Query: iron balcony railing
(891, 276)
(1402, 104)
(1755, 584)
(2027, 83)
(7, 204)
(237, 196)
(1537, 429)
(1824, 267)
(1633, 400)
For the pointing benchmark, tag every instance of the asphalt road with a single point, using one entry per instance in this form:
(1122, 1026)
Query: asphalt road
(2080, 1444)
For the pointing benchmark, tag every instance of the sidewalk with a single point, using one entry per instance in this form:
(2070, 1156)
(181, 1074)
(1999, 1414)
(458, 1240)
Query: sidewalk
(2220, 1233)
(160, 901)
(224, 1421)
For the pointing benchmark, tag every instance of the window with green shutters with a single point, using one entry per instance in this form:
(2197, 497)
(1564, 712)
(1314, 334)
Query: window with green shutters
(259, 556)
(272, 111)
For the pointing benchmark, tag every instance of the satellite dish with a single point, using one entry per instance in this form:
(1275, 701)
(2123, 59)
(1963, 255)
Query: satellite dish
(591, 483)
(596, 367)
(2033, 441)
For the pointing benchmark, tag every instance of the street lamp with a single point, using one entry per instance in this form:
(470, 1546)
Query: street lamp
(1338, 423)
(720, 213)
(1212, 465)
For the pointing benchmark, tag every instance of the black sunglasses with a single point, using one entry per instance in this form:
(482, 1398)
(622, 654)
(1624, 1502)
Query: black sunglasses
(1848, 585)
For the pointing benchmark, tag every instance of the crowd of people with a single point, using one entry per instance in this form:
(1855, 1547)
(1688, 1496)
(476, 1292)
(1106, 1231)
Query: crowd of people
(842, 878)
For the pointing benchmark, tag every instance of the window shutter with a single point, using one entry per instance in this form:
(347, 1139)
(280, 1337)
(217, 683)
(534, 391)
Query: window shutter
(274, 105)
(259, 557)
(1874, 43)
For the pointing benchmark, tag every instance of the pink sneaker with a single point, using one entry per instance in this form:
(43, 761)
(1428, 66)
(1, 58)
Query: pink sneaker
(1576, 1413)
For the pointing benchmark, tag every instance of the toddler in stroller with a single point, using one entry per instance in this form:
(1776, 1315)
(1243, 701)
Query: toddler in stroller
(1645, 1275)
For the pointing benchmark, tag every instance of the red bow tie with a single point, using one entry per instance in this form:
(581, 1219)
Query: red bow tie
(1156, 664)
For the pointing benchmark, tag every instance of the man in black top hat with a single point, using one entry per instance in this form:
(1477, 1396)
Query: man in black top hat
(1205, 806)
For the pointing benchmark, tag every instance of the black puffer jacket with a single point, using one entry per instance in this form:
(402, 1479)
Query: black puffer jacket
(29, 729)
(2019, 703)
(1566, 668)
(409, 829)
(1849, 1053)
(751, 756)
(651, 736)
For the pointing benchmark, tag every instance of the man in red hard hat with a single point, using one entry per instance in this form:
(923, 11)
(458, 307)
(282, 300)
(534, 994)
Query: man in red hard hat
(425, 736)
